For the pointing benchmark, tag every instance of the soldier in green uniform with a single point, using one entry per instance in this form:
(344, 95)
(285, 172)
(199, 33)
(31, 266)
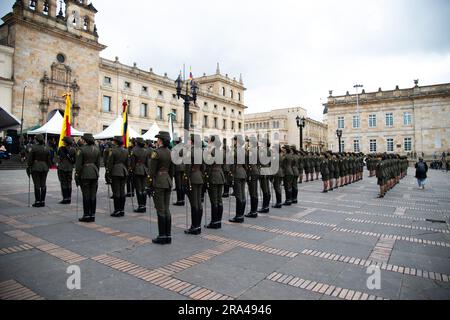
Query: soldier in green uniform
(87, 168)
(193, 183)
(216, 180)
(253, 174)
(226, 167)
(39, 163)
(337, 173)
(180, 172)
(317, 165)
(341, 170)
(295, 160)
(308, 166)
(288, 175)
(160, 178)
(117, 172)
(265, 175)
(380, 172)
(66, 161)
(331, 172)
(278, 177)
(325, 172)
(130, 177)
(139, 168)
(240, 176)
(301, 165)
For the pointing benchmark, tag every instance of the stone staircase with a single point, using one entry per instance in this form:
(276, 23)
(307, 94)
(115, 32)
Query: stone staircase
(13, 164)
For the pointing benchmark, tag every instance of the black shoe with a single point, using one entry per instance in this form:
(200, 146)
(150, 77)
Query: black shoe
(325, 191)
(294, 201)
(193, 231)
(277, 206)
(287, 204)
(226, 195)
(141, 210)
(86, 219)
(237, 220)
(161, 241)
(37, 205)
(179, 204)
(264, 210)
(214, 226)
(118, 214)
(252, 215)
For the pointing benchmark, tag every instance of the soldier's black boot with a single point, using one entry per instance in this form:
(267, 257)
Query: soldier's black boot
(294, 196)
(141, 202)
(64, 195)
(93, 209)
(195, 229)
(214, 218)
(219, 216)
(43, 195)
(265, 204)
(161, 239)
(288, 201)
(117, 208)
(86, 211)
(37, 197)
(278, 205)
(69, 195)
(253, 208)
(240, 209)
(168, 229)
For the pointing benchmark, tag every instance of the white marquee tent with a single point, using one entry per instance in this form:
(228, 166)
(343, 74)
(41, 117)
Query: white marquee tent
(115, 130)
(151, 134)
(54, 126)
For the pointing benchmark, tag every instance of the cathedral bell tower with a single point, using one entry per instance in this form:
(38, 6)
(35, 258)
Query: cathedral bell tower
(56, 50)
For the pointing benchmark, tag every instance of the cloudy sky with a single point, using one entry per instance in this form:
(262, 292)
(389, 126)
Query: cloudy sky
(290, 52)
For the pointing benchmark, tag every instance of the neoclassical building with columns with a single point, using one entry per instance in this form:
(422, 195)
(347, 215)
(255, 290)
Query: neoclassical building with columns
(410, 121)
(54, 48)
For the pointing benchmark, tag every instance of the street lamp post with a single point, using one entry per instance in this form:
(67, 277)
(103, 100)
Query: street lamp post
(301, 124)
(357, 86)
(188, 98)
(23, 107)
(339, 135)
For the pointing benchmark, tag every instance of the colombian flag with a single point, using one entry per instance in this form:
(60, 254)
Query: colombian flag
(191, 77)
(125, 133)
(66, 127)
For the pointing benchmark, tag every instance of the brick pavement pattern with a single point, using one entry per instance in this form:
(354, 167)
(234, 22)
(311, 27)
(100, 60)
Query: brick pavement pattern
(321, 248)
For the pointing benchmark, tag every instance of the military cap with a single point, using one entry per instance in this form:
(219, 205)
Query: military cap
(88, 137)
(140, 141)
(163, 135)
(68, 140)
(118, 139)
(286, 147)
(39, 138)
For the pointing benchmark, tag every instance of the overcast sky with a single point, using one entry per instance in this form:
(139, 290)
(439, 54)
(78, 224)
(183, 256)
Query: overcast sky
(290, 52)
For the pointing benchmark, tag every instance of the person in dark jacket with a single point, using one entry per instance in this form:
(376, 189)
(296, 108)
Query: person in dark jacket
(117, 172)
(421, 173)
(39, 163)
(66, 161)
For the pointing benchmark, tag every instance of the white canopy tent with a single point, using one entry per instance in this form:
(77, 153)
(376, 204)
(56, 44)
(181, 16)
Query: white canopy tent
(115, 130)
(54, 126)
(151, 134)
(7, 120)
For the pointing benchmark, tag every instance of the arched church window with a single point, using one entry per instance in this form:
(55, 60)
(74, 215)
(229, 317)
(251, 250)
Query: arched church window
(45, 8)
(223, 91)
(232, 94)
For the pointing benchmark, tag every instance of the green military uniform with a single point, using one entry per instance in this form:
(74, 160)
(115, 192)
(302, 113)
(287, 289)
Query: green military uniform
(265, 176)
(301, 165)
(308, 166)
(380, 172)
(278, 177)
(240, 176)
(138, 165)
(295, 160)
(226, 168)
(341, 170)
(336, 170)
(215, 182)
(331, 173)
(288, 175)
(66, 161)
(39, 163)
(253, 174)
(325, 172)
(317, 165)
(179, 173)
(105, 158)
(130, 177)
(87, 167)
(193, 183)
(117, 171)
(161, 175)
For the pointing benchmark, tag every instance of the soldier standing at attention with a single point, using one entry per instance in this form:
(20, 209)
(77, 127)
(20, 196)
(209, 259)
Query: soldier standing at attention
(39, 163)
(226, 167)
(160, 177)
(139, 168)
(105, 157)
(180, 172)
(288, 176)
(301, 165)
(317, 165)
(265, 176)
(66, 161)
(117, 171)
(193, 183)
(278, 177)
(381, 175)
(252, 176)
(240, 177)
(87, 168)
(216, 180)
(336, 170)
(331, 172)
(295, 158)
(325, 172)
(129, 181)
(308, 165)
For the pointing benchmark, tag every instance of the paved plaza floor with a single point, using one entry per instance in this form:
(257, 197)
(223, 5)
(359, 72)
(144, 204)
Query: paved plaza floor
(322, 248)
